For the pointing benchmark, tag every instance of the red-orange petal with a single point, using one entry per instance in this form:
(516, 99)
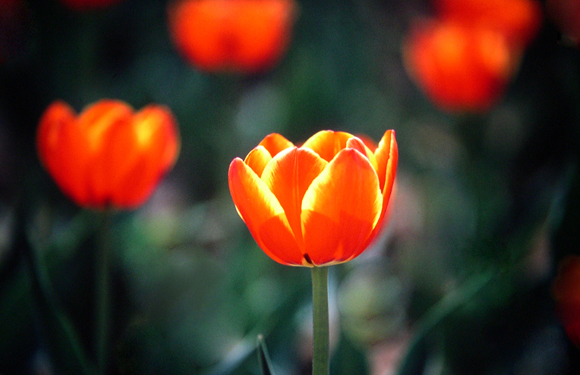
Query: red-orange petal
(62, 148)
(275, 143)
(288, 176)
(341, 208)
(261, 30)
(143, 153)
(327, 143)
(100, 122)
(263, 214)
(257, 159)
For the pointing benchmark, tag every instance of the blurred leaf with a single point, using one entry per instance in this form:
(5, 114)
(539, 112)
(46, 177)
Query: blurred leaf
(264, 358)
(440, 311)
(64, 344)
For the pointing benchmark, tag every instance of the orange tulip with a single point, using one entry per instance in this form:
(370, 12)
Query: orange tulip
(517, 20)
(461, 68)
(318, 204)
(232, 35)
(88, 4)
(108, 155)
(566, 292)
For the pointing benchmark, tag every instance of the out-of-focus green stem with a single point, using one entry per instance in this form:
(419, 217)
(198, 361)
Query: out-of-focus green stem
(102, 293)
(320, 354)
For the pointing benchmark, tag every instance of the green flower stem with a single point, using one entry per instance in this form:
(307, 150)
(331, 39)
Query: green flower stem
(320, 356)
(103, 294)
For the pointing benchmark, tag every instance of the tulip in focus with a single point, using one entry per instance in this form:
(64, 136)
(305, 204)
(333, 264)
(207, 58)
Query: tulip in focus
(82, 5)
(246, 36)
(107, 155)
(318, 204)
(460, 68)
(566, 292)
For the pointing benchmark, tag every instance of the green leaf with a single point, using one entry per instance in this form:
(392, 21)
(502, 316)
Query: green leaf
(264, 358)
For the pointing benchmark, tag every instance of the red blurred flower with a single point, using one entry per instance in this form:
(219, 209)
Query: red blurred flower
(318, 204)
(459, 67)
(232, 35)
(566, 292)
(88, 4)
(517, 20)
(566, 13)
(108, 155)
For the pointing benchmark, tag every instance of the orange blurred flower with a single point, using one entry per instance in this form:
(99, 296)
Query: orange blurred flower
(517, 20)
(459, 67)
(232, 35)
(108, 155)
(566, 292)
(318, 204)
(88, 4)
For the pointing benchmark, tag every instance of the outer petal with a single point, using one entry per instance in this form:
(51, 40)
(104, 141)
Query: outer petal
(341, 208)
(327, 143)
(288, 176)
(263, 214)
(257, 159)
(275, 143)
(64, 150)
(142, 154)
(388, 155)
(387, 145)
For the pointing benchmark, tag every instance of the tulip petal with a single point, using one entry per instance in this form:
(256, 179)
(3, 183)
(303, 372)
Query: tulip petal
(62, 148)
(359, 145)
(257, 159)
(100, 122)
(262, 30)
(263, 214)
(383, 153)
(275, 143)
(288, 176)
(387, 156)
(142, 154)
(327, 143)
(341, 208)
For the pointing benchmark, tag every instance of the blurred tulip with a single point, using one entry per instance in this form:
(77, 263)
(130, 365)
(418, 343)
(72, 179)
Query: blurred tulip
(82, 5)
(566, 14)
(517, 20)
(318, 204)
(461, 68)
(108, 155)
(232, 35)
(566, 291)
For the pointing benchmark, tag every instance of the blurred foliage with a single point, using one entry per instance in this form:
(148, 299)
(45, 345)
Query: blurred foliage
(486, 205)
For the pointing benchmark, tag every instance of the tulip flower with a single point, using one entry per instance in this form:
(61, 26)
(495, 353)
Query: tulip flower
(108, 155)
(517, 20)
(460, 68)
(318, 204)
(315, 205)
(566, 292)
(232, 35)
(81, 5)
